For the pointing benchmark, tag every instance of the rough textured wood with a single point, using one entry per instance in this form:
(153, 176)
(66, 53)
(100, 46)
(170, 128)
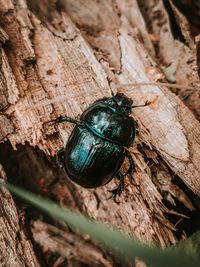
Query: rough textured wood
(68, 245)
(15, 247)
(176, 52)
(57, 57)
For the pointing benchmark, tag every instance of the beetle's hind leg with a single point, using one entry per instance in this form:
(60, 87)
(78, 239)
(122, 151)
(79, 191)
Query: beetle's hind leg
(119, 188)
(61, 157)
(131, 168)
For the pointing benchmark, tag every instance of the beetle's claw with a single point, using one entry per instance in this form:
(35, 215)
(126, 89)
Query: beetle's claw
(116, 191)
(51, 121)
(57, 120)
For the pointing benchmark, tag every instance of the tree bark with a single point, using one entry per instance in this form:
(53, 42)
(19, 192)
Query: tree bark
(15, 248)
(58, 57)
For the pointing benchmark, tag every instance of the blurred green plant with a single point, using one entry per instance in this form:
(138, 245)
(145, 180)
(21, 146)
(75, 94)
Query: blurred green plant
(120, 244)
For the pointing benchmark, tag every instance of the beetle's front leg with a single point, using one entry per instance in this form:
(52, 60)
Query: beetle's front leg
(119, 188)
(68, 119)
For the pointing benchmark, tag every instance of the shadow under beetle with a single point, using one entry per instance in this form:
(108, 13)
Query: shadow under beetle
(98, 144)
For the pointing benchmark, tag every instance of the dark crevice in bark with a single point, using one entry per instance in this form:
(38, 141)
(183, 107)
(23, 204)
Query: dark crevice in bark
(188, 225)
(27, 168)
(194, 198)
(144, 12)
(20, 171)
(191, 9)
(60, 7)
(175, 28)
(183, 225)
(22, 167)
(31, 169)
(42, 10)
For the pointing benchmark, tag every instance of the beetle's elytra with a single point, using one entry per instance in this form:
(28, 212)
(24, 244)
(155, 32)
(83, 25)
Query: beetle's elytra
(98, 144)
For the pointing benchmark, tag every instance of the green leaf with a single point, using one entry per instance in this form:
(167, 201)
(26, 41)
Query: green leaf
(191, 245)
(122, 245)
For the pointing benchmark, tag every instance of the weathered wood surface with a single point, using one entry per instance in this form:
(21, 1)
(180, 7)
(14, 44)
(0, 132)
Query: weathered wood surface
(15, 246)
(68, 245)
(57, 57)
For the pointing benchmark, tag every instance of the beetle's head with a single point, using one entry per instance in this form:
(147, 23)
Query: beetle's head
(121, 103)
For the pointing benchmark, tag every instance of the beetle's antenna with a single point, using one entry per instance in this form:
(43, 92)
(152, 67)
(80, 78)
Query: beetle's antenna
(147, 103)
(112, 93)
(127, 87)
(109, 82)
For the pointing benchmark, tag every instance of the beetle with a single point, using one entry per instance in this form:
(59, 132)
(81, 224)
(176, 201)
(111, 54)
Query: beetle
(98, 144)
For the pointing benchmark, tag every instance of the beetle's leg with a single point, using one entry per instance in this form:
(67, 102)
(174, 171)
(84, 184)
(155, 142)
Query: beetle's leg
(61, 157)
(60, 160)
(119, 188)
(131, 168)
(68, 119)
